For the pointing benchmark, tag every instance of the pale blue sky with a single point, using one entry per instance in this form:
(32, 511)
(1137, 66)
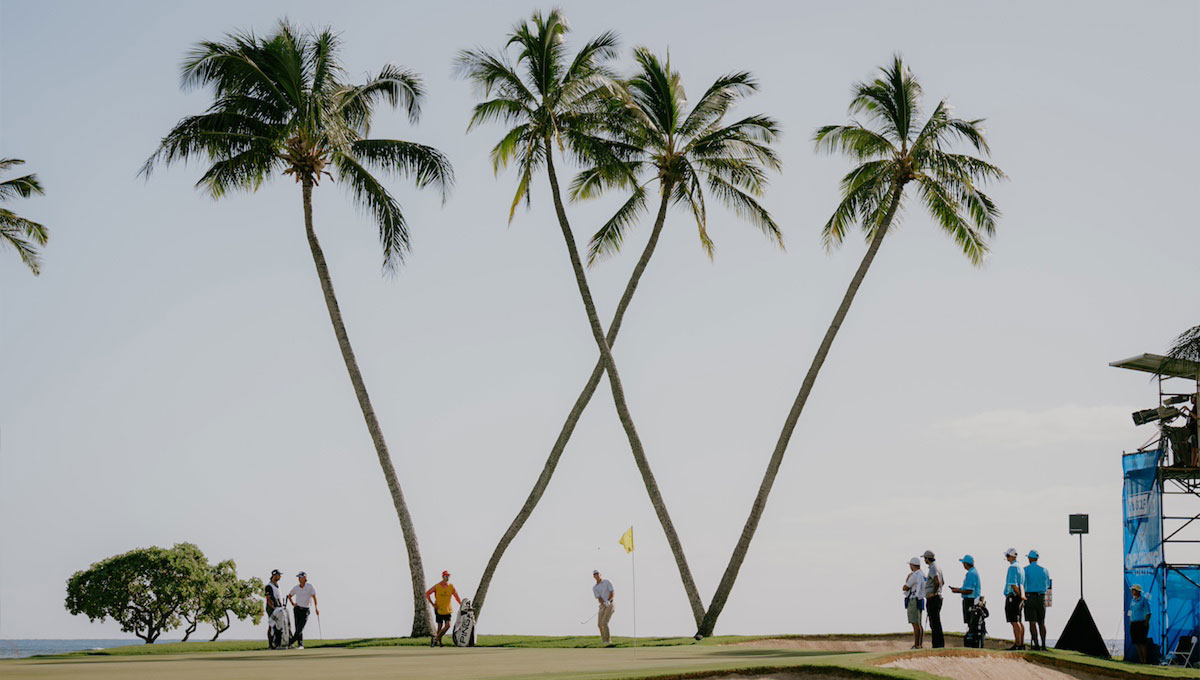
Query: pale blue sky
(172, 375)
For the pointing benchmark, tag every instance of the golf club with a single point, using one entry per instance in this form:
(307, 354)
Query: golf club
(319, 631)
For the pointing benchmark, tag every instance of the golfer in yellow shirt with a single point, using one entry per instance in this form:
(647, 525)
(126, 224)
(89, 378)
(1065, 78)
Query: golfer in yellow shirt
(441, 593)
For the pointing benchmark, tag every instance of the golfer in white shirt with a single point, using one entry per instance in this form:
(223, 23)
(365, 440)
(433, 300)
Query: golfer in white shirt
(914, 596)
(603, 591)
(302, 596)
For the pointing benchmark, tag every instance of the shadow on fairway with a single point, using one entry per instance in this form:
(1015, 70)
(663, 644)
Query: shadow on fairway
(760, 653)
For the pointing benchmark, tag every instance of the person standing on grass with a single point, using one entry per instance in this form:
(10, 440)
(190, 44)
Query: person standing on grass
(934, 580)
(603, 592)
(1014, 598)
(971, 587)
(441, 593)
(914, 600)
(1139, 621)
(1037, 581)
(274, 600)
(301, 597)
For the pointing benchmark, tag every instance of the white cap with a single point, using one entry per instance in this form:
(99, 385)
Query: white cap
(915, 562)
(1011, 552)
(595, 571)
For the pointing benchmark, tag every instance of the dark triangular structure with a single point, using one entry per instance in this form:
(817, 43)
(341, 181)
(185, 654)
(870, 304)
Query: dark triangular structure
(1081, 633)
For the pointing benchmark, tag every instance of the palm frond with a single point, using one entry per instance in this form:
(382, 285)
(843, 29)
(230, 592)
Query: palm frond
(607, 241)
(22, 187)
(371, 196)
(424, 164)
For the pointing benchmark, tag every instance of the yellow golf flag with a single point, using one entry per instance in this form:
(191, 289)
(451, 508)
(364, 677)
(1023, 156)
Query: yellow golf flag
(627, 540)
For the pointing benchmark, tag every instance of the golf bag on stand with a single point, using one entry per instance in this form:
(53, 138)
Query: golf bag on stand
(976, 625)
(279, 627)
(464, 626)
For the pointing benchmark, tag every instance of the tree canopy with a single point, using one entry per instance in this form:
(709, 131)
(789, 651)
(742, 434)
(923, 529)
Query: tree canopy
(149, 591)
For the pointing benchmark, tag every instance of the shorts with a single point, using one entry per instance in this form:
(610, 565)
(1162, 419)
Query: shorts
(1138, 631)
(1012, 609)
(1035, 608)
(914, 610)
(442, 618)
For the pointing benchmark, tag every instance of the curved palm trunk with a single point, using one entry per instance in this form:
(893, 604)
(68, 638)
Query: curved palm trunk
(618, 392)
(764, 489)
(581, 402)
(420, 625)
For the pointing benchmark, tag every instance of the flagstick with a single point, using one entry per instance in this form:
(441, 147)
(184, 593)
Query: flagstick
(633, 557)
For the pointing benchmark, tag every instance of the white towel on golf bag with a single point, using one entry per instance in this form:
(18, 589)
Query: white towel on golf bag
(464, 625)
(279, 621)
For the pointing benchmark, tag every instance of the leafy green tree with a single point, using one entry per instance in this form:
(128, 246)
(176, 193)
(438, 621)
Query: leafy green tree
(229, 597)
(554, 100)
(895, 152)
(23, 235)
(681, 151)
(282, 104)
(143, 590)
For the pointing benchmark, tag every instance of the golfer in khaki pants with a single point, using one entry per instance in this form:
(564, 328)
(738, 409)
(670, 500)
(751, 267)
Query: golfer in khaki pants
(603, 591)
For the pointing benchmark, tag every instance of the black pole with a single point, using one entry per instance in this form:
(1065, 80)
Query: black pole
(1081, 566)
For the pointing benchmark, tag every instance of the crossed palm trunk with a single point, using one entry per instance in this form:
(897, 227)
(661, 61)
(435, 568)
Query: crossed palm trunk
(618, 392)
(568, 428)
(420, 625)
(721, 596)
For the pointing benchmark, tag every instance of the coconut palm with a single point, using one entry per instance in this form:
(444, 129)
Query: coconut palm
(282, 104)
(553, 100)
(678, 149)
(1186, 346)
(894, 152)
(18, 233)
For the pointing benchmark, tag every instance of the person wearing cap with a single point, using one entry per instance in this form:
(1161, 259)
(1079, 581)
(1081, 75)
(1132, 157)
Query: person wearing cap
(274, 600)
(1037, 582)
(1014, 598)
(971, 587)
(914, 599)
(934, 580)
(1139, 621)
(302, 596)
(603, 592)
(442, 591)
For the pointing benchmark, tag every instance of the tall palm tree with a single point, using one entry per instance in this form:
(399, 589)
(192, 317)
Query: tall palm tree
(677, 148)
(894, 151)
(21, 234)
(282, 104)
(552, 100)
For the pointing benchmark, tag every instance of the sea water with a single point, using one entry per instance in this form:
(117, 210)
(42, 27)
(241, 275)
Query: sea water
(19, 649)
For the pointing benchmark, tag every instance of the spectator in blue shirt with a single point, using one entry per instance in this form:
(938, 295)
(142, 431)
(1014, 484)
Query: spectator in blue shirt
(1139, 621)
(971, 587)
(1037, 582)
(1014, 598)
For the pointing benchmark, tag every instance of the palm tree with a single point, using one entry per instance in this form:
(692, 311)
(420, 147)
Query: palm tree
(282, 104)
(21, 234)
(551, 100)
(1186, 346)
(677, 148)
(893, 152)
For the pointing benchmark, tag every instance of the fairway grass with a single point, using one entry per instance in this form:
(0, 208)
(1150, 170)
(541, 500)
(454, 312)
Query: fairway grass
(529, 657)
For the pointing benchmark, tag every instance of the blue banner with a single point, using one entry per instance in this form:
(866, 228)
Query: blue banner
(1142, 495)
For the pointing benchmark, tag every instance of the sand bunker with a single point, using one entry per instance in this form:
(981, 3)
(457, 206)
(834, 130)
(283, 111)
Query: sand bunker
(986, 668)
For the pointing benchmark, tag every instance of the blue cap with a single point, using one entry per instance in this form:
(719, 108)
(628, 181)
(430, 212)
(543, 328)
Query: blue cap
(1032, 555)
(968, 559)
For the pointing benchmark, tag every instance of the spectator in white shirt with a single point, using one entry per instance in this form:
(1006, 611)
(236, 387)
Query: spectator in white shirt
(914, 599)
(301, 597)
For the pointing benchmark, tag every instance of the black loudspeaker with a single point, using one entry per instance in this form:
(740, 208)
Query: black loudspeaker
(1079, 524)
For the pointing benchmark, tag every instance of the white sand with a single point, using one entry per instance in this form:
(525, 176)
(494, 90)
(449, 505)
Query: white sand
(985, 668)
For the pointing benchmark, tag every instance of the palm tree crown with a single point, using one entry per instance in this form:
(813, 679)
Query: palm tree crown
(282, 104)
(547, 96)
(894, 151)
(653, 132)
(21, 234)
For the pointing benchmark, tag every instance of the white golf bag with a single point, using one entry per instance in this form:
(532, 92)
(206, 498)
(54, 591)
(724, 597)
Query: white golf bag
(280, 624)
(464, 626)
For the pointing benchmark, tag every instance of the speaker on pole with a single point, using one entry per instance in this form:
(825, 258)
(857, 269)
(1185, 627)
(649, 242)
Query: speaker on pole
(1081, 633)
